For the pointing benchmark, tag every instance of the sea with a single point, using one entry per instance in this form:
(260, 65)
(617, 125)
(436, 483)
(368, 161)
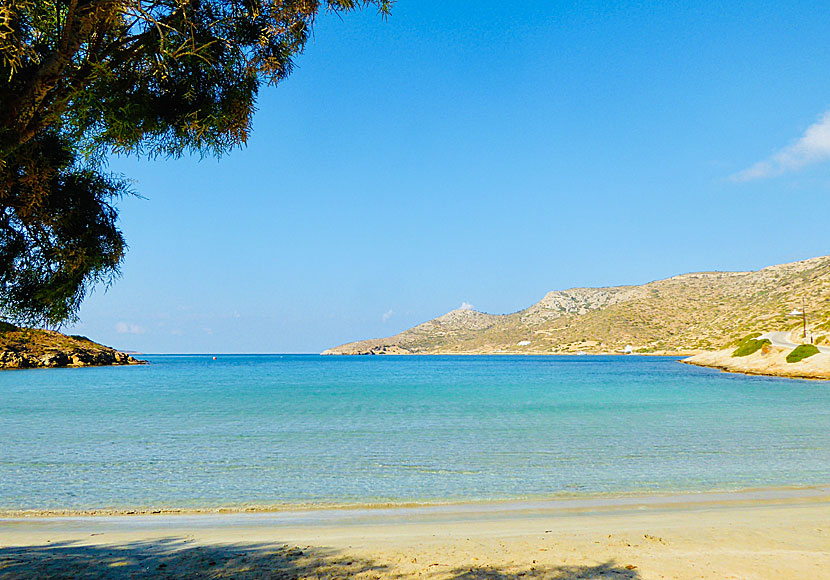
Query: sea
(287, 431)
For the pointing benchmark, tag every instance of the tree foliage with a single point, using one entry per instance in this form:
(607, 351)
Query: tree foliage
(81, 79)
(58, 231)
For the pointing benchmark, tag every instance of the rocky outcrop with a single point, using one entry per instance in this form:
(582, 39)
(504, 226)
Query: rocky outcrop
(769, 361)
(10, 359)
(373, 349)
(24, 348)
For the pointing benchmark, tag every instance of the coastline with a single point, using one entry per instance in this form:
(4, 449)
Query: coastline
(570, 502)
(30, 348)
(676, 354)
(769, 362)
(728, 535)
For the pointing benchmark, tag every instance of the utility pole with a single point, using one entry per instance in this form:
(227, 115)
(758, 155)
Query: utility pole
(803, 314)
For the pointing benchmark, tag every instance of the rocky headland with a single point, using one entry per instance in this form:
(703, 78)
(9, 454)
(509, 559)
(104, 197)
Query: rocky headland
(682, 315)
(768, 360)
(22, 348)
(702, 313)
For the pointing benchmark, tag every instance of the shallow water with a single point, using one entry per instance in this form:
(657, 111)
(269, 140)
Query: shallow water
(191, 432)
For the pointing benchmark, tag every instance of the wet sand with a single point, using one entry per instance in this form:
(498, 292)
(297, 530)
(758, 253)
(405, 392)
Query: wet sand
(772, 534)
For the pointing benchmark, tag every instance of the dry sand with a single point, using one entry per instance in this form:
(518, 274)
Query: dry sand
(773, 534)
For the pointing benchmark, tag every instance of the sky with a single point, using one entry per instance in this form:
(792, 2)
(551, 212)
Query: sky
(482, 154)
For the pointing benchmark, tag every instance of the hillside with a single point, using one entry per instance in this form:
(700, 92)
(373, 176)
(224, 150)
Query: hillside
(30, 348)
(684, 314)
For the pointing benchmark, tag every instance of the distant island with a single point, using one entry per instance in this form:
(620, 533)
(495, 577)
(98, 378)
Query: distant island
(688, 314)
(33, 348)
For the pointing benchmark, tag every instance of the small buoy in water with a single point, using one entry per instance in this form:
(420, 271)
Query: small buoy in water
(214, 358)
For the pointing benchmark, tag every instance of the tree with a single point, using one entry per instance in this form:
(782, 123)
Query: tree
(82, 79)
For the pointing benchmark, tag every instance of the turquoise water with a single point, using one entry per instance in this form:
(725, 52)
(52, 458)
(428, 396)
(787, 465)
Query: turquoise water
(187, 431)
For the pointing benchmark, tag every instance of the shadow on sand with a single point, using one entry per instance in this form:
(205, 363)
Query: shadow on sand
(176, 558)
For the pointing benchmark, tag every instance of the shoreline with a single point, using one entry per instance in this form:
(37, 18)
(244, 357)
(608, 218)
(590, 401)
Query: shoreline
(753, 373)
(767, 362)
(725, 536)
(675, 354)
(589, 501)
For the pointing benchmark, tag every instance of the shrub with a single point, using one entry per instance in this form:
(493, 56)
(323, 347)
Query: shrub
(801, 352)
(749, 345)
(740, 341)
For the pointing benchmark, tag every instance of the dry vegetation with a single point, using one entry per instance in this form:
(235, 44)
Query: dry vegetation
(29, 347)
(684, 314)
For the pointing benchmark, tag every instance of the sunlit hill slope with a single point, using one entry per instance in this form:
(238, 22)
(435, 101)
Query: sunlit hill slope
(683, 314)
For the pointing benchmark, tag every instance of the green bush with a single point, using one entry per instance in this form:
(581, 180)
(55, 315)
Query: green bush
(749, 345)
(740, 341)
(801, 352)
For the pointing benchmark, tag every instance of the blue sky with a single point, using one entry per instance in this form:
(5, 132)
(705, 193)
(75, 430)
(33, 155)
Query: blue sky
(482, 152)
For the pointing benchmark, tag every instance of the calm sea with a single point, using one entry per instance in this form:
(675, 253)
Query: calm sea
(188, 431)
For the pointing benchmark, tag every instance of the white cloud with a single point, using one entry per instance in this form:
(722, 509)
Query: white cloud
(387, 315)
(467, 306)
(124, 328)
(812, 147)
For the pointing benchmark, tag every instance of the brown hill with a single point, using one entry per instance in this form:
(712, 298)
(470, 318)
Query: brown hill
(683, 314)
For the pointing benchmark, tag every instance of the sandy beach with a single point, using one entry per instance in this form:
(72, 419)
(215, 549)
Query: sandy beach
(768, 534)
